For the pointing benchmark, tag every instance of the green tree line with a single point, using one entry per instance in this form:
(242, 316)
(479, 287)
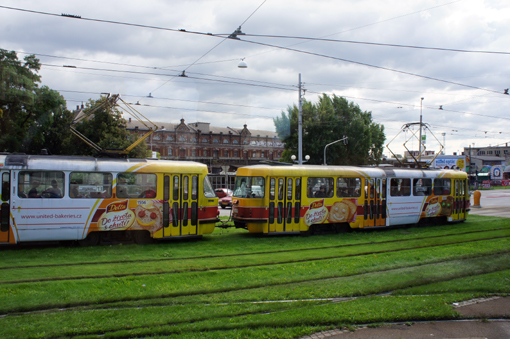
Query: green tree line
(34, 117)
(326, 121)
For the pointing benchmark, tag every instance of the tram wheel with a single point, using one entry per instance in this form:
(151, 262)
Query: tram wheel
(142, 237)
(92, 239)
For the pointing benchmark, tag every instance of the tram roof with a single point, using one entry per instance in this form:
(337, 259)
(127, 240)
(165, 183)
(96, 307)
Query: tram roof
(85, 163)
(367, 171)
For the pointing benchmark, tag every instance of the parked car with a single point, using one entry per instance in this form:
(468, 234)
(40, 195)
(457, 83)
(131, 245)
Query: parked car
(226, 201)
(222, 192)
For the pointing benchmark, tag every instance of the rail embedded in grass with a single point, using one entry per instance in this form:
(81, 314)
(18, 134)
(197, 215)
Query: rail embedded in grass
(218, 296)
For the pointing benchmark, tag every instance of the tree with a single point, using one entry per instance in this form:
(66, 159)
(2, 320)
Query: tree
(106, 128)
(329, 120)
(32, 117)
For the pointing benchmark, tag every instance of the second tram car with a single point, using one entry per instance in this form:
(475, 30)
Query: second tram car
(53, 198)
(269, 199)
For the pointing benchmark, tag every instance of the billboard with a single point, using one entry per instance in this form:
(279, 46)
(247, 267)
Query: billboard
(456, 162)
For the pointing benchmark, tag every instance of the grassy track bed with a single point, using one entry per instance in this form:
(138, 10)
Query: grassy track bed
(239, 285)
(126, 269)
(43, 295)
(231, 242)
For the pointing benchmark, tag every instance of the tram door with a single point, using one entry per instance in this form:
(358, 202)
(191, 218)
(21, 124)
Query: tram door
(182, 205)
(459, 199)
(4, 213)
(375, 203)
(284, 204)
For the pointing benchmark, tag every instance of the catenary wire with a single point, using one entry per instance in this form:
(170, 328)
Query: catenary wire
(256, 43)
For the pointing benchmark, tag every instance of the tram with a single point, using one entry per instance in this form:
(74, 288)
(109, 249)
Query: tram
(57, 198)
(309, 198)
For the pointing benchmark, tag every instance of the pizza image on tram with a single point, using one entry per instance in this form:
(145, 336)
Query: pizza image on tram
(148, 217)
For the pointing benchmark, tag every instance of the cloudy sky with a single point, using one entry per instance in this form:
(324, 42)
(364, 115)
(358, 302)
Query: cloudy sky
(137, 49)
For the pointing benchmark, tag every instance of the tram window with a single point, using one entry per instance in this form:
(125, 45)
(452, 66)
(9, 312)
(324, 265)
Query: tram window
(185, 187)
(90, 185)
(272, 188)
(249, 187)
(208, 190)
(41, 184)
(298, 189)
(348, 187)
(136, 185)
(400, 187)
(176, 188)
(6, 187)
(194, 187)
(442, 186)
(280, 189)
(289, 189)
(422, 187)
(320, 187)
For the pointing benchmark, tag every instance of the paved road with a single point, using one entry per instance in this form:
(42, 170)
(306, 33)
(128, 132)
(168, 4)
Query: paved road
(493, 203)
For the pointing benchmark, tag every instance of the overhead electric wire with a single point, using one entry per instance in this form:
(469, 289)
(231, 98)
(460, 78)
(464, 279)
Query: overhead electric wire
(256, 43)
(374, 44)
(169, 75)
(171, 99)
(209, 51)
(369, 65)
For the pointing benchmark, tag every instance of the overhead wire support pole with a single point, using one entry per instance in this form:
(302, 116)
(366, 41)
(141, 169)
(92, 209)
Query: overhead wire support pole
(421, 124)
(300, 126)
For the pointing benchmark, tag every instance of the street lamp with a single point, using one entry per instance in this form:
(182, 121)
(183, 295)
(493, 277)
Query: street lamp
(344, 139)
(293, 157)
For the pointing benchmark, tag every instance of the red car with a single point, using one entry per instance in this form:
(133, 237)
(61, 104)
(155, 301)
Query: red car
(226, 201)
(222, 192)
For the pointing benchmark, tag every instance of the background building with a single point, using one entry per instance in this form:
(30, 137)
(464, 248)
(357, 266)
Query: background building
(217, 147)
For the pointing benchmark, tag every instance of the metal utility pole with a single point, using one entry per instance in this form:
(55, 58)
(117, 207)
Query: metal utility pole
(300, 126)
(421, 123)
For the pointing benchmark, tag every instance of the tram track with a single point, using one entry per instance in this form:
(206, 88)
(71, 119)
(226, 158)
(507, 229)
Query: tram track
(110, 304)
(293, 305)
(231, 267)
(245, 253)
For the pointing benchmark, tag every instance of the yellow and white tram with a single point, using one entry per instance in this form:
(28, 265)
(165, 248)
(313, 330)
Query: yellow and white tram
(308, 198)
(52, 198)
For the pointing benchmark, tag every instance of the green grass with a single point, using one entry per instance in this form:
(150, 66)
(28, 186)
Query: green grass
(232, 284)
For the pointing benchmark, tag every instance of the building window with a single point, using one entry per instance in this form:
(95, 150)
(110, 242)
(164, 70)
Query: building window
(235, 142)
(193, 152)
(246, 142)
(489, 152)
(170, 152)
(182, 138)
(215, 141)
(226, 154)
(235, 154)
(225, 141)
(205, 153)
(157, 137)
(497, 152)
(193, 139)
(169, 138)
(205, 140)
